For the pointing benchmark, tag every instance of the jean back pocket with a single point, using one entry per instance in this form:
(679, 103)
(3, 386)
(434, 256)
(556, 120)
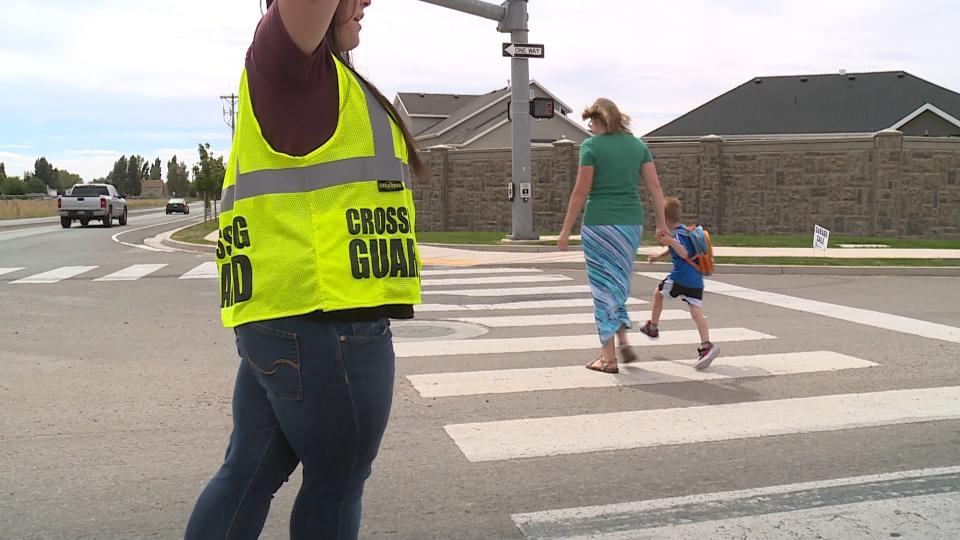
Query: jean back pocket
(274, 356)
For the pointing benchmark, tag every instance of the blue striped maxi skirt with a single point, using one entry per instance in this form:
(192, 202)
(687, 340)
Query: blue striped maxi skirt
(610, 251)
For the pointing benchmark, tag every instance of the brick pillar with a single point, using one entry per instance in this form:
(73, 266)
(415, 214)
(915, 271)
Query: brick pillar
(888, 174)
(442, 170)
(710, 204)
(566, 159)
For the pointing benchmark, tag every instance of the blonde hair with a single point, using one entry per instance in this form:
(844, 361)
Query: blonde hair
(608, 113)
(672, 210)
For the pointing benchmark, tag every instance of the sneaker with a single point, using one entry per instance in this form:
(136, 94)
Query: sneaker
(707, 354)
(650, 330)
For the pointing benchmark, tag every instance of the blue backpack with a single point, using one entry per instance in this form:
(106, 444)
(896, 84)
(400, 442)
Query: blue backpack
(702, 256)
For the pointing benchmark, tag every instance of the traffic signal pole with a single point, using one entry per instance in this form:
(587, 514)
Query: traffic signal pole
(512, 17)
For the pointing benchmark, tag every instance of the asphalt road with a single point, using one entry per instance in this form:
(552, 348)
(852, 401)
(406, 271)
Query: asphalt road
(116, 406)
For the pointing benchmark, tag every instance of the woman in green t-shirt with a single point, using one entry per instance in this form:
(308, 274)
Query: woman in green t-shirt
(611, 164)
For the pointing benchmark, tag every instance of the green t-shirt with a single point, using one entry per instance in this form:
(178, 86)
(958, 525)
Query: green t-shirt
(616, 159)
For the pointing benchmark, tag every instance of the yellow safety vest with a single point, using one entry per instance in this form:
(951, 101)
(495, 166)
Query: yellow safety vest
(331, 230)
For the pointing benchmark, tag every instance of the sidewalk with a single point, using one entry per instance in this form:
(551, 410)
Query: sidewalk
(450, 256)
(491, 255)
(536, 255)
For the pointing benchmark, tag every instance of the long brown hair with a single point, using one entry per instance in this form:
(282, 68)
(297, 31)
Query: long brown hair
(344, 56)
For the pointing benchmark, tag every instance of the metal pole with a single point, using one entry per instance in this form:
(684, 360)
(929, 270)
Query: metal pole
(473, 7)
(512, 17)
(520, 113)
(231, 121)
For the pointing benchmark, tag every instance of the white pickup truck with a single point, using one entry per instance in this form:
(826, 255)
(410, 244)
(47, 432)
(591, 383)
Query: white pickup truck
(83, 202)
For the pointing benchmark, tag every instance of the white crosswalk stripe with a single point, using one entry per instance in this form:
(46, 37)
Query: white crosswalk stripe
(529, 304)
(540, 437)
(532, 435)
(133, 272)
(886, 321)
(816, 510)
(56, 275)
(562, 318)
(642, 373)
(561, 343)
(483, 271)
(207, 270)
(494, 280)
(512, 291)
(10, 270)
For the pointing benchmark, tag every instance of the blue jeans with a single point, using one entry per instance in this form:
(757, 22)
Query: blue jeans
(310, 392)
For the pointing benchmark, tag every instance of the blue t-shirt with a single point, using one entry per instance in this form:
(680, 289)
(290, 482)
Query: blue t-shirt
(683, 272)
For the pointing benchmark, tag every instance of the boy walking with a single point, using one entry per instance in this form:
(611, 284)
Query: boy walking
(684, 283)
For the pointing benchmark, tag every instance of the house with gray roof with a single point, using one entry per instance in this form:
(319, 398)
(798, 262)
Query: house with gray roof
(817, 105)
(467, 121)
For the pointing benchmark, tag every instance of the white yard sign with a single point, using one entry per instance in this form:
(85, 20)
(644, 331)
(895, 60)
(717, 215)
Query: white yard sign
(821, 237)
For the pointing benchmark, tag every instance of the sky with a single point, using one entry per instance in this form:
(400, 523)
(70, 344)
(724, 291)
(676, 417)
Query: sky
(84, 82)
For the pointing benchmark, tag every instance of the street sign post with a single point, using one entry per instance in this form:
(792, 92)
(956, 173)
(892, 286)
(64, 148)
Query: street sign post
(522, 50)
(511, 18)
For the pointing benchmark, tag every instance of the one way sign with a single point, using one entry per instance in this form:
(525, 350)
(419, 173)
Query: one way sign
(522, 50)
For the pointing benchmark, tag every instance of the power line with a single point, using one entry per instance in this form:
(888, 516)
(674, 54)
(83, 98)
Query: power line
(230, 111)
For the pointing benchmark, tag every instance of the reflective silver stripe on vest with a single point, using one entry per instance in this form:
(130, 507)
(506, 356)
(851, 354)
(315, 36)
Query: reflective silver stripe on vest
(382, 166)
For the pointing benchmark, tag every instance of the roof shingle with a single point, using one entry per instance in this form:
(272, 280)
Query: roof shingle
(813, 104)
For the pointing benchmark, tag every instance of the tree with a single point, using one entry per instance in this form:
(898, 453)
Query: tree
(208, 173)
(12, 185)
(66, 179)
(118, 176)
(137, 168)
(46, 172)
(155, 173)
(178, 180)
(3, 171)
(36, 185)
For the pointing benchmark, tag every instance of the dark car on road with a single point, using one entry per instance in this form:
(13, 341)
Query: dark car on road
(177, 206)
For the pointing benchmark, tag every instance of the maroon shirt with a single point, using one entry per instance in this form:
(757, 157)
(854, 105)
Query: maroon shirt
(295, 95)
(296, 99)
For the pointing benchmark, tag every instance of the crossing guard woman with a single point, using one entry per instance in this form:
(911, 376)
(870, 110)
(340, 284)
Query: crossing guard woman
(317, 253)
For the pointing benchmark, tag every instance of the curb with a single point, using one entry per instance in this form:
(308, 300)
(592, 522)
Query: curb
(769, 270)
(196, 248)
(762, 270)
(502, 248)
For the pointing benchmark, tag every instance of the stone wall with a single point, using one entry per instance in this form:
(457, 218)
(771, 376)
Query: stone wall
(884, 185)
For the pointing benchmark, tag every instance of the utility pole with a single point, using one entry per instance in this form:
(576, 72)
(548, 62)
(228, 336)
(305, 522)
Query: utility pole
(230, 117)
(230, 112)
(512, 17)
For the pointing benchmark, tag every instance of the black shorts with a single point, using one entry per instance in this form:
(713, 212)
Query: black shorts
(694, 297)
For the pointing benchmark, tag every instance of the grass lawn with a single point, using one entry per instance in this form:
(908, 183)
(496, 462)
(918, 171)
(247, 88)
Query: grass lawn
(727, 240)
(196, 233)
(485, 238)
(825, 261)
(806, 241)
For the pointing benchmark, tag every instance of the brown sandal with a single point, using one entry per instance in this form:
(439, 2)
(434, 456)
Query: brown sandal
(627, 353)
(604, 367)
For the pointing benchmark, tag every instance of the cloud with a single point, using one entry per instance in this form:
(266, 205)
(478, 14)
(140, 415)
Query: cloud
(15, 164)
(130, 75)
(205, 136)
(659, 59)
(186, 48)
(94, 153)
